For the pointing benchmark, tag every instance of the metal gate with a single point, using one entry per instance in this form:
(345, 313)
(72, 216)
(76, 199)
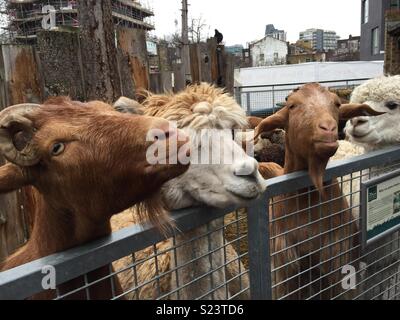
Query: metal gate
(265, 251)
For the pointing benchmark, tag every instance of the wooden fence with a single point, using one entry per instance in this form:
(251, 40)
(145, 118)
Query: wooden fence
(208, 63)
(54, 66)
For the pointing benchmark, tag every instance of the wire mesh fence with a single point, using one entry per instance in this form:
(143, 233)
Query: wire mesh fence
(293, 243)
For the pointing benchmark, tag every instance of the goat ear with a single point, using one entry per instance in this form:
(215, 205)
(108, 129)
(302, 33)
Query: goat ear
(12, 178)
(254, 122)
(348, 111)
(276, 121)
(270, 170)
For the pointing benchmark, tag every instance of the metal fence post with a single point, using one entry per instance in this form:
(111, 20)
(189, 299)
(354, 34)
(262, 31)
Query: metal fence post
(238, 94)
(248, 103)
(259, 250)
(273, 99)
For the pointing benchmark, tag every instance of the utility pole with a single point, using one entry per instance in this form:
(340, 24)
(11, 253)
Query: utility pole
(185, 41)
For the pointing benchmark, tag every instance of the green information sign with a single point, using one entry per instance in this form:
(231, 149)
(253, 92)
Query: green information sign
(380, 207)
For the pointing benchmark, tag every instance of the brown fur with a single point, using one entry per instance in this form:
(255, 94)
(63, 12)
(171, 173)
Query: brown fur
(254, 122)
(102, 171)
(303, 242)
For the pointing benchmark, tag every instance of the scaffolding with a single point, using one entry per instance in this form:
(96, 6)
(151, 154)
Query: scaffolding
(25, 17)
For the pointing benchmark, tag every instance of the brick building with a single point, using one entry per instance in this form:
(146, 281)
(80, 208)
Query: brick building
(392, 42)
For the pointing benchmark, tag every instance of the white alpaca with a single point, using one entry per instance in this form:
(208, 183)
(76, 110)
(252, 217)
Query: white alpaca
(216, 185)
(369, 134)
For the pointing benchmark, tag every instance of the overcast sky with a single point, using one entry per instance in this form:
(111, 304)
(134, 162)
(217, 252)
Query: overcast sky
(244, 21)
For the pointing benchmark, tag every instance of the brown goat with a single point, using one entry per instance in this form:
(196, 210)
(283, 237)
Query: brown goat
(85, 162)
(311, 241)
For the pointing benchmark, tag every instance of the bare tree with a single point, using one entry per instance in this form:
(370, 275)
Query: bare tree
(197, 30)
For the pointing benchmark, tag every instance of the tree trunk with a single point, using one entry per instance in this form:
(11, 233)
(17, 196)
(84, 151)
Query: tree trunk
(99, 55)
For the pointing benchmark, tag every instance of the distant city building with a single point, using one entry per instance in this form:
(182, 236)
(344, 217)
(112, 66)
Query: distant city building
(268, 52)
(301, 52)
(319, 39)
(350, 45)
(236, 50)
(28, 17)
(270, 31)
(372, 46)
(347, 50)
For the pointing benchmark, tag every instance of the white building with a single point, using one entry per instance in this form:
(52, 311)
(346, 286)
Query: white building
(268, 52)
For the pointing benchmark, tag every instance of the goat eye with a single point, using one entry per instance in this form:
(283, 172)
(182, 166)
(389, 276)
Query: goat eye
(57, 149)
(391, 105)
(292, 106)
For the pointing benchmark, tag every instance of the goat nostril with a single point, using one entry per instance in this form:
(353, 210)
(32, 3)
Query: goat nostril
(328, 127)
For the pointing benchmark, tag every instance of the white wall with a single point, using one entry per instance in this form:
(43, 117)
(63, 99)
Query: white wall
(290, 76)
(308, 72)
(268, 47)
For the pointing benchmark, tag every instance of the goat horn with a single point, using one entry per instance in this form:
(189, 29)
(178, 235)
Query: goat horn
(17, 115)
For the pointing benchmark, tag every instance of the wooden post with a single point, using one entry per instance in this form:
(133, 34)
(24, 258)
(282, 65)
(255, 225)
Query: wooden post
(195, 63)
(229, 72)
(98, 50)
(13, 228)
(213, 58)
(132, 43)
(185, 52)
(205, 63)
(20, 82)
(20, 75)
(179, 77)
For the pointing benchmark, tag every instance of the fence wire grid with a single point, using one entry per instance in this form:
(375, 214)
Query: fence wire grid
(265, 100)
(291, 244)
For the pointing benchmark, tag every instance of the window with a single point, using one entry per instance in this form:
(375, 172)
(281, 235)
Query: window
(375, 41)
(395, 4)
(365, 11)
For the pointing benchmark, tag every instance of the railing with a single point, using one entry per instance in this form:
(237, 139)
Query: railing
(262, 100)
(244, 264)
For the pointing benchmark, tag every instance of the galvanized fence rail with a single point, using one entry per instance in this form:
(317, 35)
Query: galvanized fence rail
(262, 100)
(250, 236)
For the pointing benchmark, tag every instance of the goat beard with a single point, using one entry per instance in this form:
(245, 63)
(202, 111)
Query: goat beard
(316, 170)
(154, 210)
